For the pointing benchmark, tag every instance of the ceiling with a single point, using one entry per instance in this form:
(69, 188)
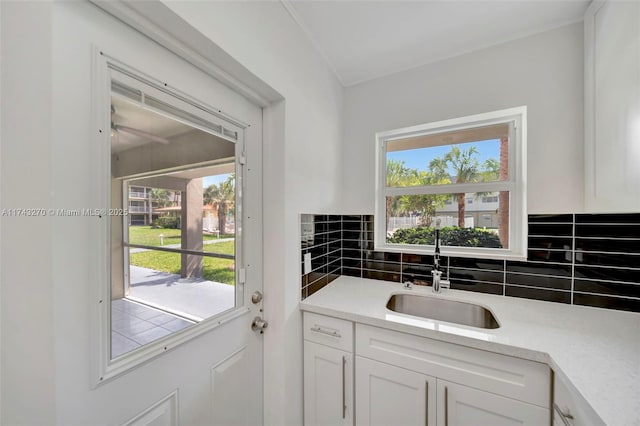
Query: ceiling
(363, 40)
(132, 116)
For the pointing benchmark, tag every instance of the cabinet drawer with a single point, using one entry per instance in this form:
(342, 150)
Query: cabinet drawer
(570, 409)
(515, 378)
(328, 331)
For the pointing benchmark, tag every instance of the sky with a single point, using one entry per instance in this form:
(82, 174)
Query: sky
(419, 158)
(209, 180)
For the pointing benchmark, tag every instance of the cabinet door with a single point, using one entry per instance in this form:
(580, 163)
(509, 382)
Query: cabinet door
(463, 406)
(388, 395)
(328, 386)
(612, 106)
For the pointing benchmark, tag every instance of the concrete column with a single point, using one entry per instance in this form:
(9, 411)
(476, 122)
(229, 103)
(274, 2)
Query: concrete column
(191, 228)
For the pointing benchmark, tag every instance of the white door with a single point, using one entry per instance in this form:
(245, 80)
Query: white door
(389, 395)
(210, 371)
(463, 406)
(328, 386)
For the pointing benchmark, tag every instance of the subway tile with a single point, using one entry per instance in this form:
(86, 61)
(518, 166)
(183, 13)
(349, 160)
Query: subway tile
(319, 218)
(630, 218)
(418, 259)
(348, 234)
(335, 245)
(608, 273)
(551, 218)
(334, 218)
(538, 294)
(317, 285)
(334, 263)
(608, 245)
(554, 256)
(381, 266)
(351, 263)
(381, 275)
(556, 283)
(351, 272)
(477, 286)
(382, 256)
(539, 268)
(607, 288)
(554, 229)
(467, 262)
(303, 293)
(351, 244)
(608, 231)
(352, 218)
(352, 226)
(608, 259)
(476, 275)
(618, 303)
(413, 269)
(352, 253)
(550, 242)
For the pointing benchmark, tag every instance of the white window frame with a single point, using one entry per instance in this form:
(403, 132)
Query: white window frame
(104, 368)
(516, 184)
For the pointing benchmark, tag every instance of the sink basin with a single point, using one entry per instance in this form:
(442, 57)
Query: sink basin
(443, 310)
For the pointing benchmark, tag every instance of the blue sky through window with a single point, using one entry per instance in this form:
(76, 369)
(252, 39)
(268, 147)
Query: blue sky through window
(419, 158)
(210, 180)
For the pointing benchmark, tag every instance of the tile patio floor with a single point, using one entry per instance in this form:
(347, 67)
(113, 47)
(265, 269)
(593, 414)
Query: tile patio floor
(160, 304)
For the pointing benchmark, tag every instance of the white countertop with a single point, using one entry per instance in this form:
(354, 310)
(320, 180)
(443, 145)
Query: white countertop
(596, 352)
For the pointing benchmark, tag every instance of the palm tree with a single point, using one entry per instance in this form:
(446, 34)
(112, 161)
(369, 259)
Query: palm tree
(425, 205)
(466, 167)
(222, 197)
(397, 175)
(161, 197)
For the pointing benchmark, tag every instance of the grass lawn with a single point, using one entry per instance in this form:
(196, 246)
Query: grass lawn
(213, 269)
(148, 236)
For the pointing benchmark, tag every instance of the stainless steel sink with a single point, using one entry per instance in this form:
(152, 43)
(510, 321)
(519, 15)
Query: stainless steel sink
(443, 310)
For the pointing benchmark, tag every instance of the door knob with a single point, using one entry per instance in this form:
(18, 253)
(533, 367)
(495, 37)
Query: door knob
(259, 324)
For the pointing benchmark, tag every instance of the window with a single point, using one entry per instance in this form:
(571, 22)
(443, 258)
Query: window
(465, 175)
(169, 169)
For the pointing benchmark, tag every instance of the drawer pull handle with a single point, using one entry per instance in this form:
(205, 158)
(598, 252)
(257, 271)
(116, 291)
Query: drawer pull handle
(446, 406)
(426, 421)
(344, 386)
(331, 333)
(564, 417)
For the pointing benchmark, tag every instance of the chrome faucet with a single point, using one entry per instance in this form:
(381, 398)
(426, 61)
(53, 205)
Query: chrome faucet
(436, 273)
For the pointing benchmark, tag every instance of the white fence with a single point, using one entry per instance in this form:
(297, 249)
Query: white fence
(402, 222)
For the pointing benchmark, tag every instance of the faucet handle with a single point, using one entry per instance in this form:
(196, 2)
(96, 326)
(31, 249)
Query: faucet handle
(408, 284)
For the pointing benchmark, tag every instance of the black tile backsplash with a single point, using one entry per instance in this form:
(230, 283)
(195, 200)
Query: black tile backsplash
(583, 259)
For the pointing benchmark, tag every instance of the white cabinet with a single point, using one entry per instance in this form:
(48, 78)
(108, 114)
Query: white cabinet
(328, 371)
(465, 406)
(402, 379)
(570, 409)
(406, 380)
(612, 106)
(388, 395)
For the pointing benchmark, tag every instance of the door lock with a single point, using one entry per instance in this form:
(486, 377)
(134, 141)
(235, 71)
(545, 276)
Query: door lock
(256, 297)
(259, 324)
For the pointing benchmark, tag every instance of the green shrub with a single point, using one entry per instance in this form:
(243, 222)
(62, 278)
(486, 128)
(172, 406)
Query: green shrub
(168, 222)
(449, 236)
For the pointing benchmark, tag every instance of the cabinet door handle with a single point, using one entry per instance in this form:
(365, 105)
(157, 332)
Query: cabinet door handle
(331, 333)
(446, 406)
(344, 391)
(426, 422)
(564, 417)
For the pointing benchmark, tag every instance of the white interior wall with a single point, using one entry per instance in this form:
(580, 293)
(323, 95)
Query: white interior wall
(27, 333)
(47, 364)
(302, 169)
(544, 72)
